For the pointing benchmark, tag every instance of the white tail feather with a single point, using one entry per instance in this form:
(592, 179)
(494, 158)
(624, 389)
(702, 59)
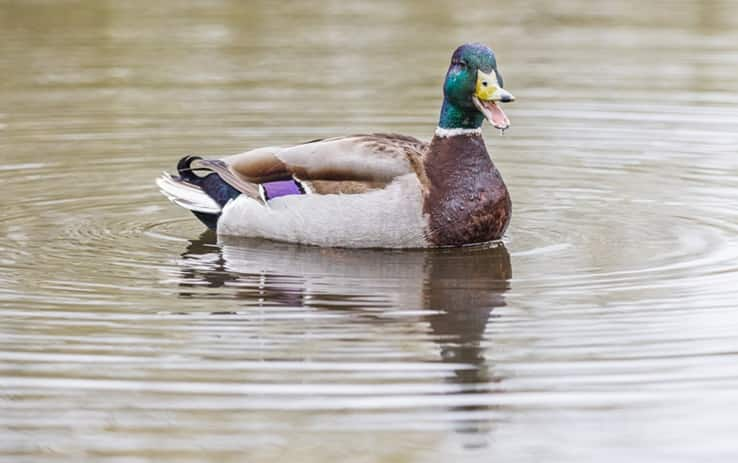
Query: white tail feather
(186, 195)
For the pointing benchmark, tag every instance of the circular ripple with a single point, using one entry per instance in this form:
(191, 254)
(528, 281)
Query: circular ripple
(611, 302)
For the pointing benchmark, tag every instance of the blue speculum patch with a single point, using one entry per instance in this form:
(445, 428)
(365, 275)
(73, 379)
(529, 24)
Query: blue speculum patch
(282, 188)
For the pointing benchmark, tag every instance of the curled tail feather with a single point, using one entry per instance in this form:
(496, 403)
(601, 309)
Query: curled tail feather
(204, 195)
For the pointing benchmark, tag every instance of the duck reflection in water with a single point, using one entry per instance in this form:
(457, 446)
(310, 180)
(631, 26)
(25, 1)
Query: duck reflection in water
(456, 291)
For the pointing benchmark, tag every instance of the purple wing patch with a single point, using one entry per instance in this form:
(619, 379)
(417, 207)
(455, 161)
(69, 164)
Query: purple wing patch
(282, 188)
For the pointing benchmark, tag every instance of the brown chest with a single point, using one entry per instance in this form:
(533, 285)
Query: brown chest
(466, 200)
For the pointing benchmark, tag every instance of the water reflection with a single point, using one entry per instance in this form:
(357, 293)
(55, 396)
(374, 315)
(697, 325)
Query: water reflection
(617, 344)
(452, 292)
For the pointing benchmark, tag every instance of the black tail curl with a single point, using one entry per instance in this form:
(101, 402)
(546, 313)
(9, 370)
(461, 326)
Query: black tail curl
(220, 191)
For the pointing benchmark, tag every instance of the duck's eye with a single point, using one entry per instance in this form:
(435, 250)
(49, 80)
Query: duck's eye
(485, 83)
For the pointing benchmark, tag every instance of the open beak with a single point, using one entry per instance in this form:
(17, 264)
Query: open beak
(488, 95)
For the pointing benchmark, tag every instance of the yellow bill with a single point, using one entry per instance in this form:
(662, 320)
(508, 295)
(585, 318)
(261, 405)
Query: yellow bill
(488, 93)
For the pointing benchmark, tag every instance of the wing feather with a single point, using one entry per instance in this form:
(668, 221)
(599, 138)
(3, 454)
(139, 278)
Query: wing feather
(363, 158)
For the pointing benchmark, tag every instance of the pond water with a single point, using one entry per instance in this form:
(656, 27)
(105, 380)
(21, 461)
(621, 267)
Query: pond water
(604, 328)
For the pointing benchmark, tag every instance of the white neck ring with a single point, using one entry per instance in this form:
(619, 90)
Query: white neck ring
(441, 132)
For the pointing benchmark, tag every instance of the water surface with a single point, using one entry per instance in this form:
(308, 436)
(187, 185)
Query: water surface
(602, 329)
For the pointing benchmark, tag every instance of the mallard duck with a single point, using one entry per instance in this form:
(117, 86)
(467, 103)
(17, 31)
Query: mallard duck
(374, 190)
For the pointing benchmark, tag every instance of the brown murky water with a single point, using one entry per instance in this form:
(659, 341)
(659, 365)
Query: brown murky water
(604, 329)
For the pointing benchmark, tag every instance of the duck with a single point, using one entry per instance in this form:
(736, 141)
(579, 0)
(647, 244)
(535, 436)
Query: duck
(374, 190)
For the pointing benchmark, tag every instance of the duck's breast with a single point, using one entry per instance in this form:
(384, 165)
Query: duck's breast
(467, 200)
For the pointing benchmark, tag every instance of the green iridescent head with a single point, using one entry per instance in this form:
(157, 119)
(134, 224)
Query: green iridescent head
(473, 89)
